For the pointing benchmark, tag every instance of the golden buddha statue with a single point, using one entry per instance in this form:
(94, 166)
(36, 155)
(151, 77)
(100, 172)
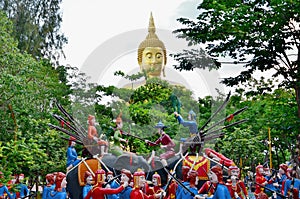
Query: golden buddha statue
(152, 56)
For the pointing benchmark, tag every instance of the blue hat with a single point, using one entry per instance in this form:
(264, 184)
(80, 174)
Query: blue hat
(192, 113)
(160, 125)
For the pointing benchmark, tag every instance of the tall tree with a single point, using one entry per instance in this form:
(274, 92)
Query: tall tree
(36, 26)
(260, 35)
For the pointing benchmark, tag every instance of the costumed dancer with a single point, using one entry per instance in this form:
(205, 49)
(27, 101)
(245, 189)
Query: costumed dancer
(98, 192)
(236, 187)
(4, 189)
(270, 179)
(139, 181)
(88, 179)
(60, 187)
(93, 137)
(193, 128)
(126, 177)
(72, 156)
(166, 143)
(49, 185)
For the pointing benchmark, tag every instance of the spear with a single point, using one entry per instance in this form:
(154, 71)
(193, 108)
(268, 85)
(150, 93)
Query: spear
(216, 112)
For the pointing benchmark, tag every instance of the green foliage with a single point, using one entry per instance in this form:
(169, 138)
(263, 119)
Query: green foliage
(36, 26)
(259, 35)
(28, 88)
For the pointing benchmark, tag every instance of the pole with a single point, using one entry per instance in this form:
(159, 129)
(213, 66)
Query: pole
(270, 147)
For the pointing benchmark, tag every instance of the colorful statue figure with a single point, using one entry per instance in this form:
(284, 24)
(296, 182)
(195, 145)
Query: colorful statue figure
(118, 140)
(175, 102)
(191, 185)
(184, 170)
(156, 188)
(126, 177)
(60, 186)
(139, 181)
(88, 178)
(112, 184)
(259, 180)
(166, 143)
(282, 177)
(94, 137)
(292, 185)
(4, 189)
(270, 179)
(72, 156)
(49, 185)
(216, 177)
(193, 128)
(236, 186)
(21, 187)
(219, 158)
(98, 192)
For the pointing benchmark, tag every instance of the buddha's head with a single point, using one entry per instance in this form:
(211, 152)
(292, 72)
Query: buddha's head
(152, 53)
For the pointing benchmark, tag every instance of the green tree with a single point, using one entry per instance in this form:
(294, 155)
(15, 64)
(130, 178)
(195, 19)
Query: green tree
(28, 88)
(260, 35)
(36, 26)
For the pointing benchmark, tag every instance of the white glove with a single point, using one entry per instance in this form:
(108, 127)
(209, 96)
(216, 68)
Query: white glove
(236, 195)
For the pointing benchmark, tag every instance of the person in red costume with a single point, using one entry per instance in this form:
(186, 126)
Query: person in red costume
(207, 189)
(259, 179)
(98, 192)
(138, 183)
(156, 188)
(166, 143)
(93, 136)
(218, 157)
(236, 186)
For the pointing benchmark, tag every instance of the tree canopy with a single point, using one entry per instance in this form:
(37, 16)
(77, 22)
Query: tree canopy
(259, 35)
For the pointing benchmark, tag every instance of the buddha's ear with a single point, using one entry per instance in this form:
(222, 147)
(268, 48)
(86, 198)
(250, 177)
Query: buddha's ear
(164, 73)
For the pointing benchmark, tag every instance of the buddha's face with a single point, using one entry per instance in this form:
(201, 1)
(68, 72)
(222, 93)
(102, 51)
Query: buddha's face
(153, 61)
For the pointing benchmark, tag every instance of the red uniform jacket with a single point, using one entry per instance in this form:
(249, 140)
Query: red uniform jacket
(99, 192)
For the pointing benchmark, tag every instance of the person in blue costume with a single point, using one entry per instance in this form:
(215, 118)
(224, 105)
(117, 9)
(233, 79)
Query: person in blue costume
(22, 188)
(292, 185)
(191, 124)
(191, 185)
(4, 189)
(216, 176)
(72, 156)
(113, 184)
(49, 185)
(126, 177)
(88, 178)
(184, 170)
(60, 186)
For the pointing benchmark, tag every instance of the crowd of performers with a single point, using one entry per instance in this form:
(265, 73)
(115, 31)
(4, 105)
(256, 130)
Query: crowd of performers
(15, 187)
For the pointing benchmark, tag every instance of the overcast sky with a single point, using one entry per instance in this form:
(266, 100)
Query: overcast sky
(96, 30)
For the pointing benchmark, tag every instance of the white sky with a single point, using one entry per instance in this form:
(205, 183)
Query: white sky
(92, 27)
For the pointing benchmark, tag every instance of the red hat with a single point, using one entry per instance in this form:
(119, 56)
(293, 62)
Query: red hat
(218, 171)
(136, 177)
(284, 167)
(50, 178)
(127, 173)
(258, 167)
(59, 178)
(100, 176)
(157, 176)
(109, 173)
